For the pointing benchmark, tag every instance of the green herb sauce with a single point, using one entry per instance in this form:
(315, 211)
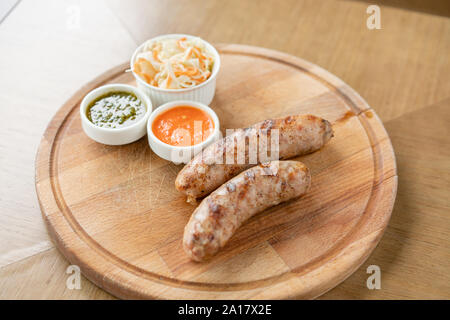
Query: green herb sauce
(115, 110)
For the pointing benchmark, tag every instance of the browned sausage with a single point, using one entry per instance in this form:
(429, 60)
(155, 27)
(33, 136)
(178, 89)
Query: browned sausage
(219, 215)
(298, 135)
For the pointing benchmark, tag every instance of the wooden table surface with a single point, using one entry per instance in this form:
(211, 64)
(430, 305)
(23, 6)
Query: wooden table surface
(49, 49)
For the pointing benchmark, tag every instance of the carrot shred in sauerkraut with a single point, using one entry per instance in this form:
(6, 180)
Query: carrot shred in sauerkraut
(174, 63)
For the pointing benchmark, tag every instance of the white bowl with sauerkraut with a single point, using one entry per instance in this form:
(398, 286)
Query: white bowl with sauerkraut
(176, 67)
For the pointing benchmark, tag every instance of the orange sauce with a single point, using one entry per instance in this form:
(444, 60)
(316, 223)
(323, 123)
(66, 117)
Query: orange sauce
(183, 126)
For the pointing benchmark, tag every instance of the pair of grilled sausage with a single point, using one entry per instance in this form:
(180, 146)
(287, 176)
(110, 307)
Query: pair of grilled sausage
(243, 188)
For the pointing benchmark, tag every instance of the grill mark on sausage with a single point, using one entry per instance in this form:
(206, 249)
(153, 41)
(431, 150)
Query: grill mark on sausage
(231, 187)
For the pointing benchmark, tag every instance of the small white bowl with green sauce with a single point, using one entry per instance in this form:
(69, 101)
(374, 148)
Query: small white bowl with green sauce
(115, 114)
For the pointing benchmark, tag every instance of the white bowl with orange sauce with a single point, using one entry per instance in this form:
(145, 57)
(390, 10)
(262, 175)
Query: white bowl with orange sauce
(178, 130)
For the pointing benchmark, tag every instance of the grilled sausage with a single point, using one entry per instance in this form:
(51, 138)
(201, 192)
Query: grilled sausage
(219, 215)
(297, 135)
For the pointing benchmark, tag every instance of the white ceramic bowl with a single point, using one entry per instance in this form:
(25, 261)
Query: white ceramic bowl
(178, 154)
(115, 136)
(203, 93)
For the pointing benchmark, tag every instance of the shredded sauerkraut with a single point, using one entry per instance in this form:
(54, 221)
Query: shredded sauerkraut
(174, 63)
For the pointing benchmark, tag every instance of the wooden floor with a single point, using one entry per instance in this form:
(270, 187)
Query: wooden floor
(402, 70)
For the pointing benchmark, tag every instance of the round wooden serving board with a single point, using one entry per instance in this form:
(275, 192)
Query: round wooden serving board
(114, 210)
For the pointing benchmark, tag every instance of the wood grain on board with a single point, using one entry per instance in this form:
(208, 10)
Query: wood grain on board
(114, 211)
